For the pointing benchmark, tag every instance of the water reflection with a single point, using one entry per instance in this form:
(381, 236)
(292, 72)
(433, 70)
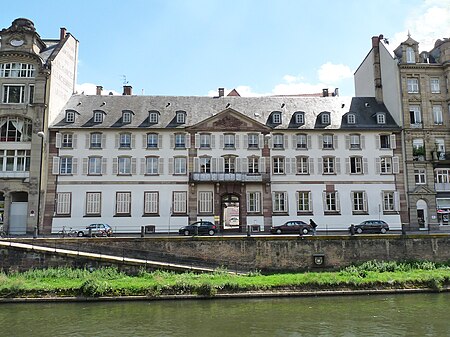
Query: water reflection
(375, 315)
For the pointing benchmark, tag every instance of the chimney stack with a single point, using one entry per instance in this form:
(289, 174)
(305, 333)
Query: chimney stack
(377, 68)
(221, 92)
(62, 33)
(98, 90)
(324, 92)
(127, 90)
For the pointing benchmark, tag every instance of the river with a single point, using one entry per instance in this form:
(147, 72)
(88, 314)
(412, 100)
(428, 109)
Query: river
(346, 316)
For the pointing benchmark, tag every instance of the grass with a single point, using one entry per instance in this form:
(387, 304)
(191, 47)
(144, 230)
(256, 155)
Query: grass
(60, 282)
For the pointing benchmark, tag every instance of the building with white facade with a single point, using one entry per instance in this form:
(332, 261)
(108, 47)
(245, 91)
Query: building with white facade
(166, 161)
(37, 77)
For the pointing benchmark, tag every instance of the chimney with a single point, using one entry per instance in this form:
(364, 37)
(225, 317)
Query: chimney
(98, 90)
(62, 33)
(127, 89)
(324, 92)
(221, 92)
(375, 41)
(377, 68)
(336, 92)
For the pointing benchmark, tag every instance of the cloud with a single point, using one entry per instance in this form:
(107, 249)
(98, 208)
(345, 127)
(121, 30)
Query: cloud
(426, 24)
(334, 73)
(91, 89)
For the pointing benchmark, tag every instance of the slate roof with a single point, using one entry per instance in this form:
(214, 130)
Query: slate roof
(199, 108)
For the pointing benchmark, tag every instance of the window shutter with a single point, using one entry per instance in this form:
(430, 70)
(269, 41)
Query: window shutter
(320, 142)
(133, 141)
(377, 139)
(237, 141)
(393, 142)
(85, 165)
(308, 142)
(293, 165)
(58, 140)
(335, 141)
(103, 141)
(363, 142)
(347, 165)
(74, 165)
(104, 165)
(285, 141)
(287, 165)
(347, 142)
(214, 165)
(261, 141)
(172, 141)
(133, 165)
(365, 166)
(294, 141)
(324, 200)
(144, 141)
(365, 201)
(187, 141)
(197, 141)
(74, 141)
(213, 141)
(262, 165)
(115, 163)
(88, 141)
(396, 201)
(161, 166)
(143, 161)
(337, 162)
(245, 141)
(338, 202)
(245, 165)
(117, 141)
(196, 165)
(55, 166)
(171, 160)
(221, 167)
(319, 166)
(238, 167)
(377, 165)
(395, 165)
(311, 165)
(270, 142)
(160, 141)
(221, 141)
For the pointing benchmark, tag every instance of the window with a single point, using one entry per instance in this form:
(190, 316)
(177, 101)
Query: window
(253, 141)
(181, 117)
(356, 165)
(278, 141)
(180, 165)
(205, 202)
(355, 142)
(276, 118)
(420, 176)
(278, 165)
(125, 141)
(325, 118)
(205, 141)
(413, 85)
(98, 116)
(280, 202)
(65, 165)
(124, 166)
(16, 70)
(151, 165)
(388, 201)
(205, 164)
(153, 117)
(386, 165)
(415, 115)
(328, 165)
(229, 141)
(15, 160)
(385, 141)
(14, 93)
(434, 85)
(180, 141)
(151, 202)
(15, 129)
(179, 202)
(442, 176)
(327, 142)
(31, 93)
(439, 144)
(253, 164)
(123, 203)
(302, 165)
(299, 118)
(67, 141)
(229, 164)
(254, 202)
(152, 140)
(381, 118)
(70, 116)
(410, 55)
(95, 140)
(302, 141)
(359, 202)
(437, 115)
(126, 117)
(418, 149)
(351, 119)
(304, 201)
(93, 203)
(95, 165)
(63, 203)
(331, 202)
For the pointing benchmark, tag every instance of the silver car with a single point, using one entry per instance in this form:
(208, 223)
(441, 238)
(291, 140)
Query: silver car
(97, 229)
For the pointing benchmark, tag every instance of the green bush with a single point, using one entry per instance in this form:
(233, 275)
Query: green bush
(95, 288)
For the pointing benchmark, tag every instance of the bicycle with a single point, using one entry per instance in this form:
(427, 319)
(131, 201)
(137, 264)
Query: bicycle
(69, 233)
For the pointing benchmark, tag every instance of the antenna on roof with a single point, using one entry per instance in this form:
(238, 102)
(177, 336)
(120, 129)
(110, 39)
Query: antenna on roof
(124, 79)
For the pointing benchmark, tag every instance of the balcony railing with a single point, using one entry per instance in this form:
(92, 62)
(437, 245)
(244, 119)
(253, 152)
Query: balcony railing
(14, 174)
(442, 187)
(228, 177)
(439, 155)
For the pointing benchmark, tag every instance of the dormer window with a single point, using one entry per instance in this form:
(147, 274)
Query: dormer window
(98, 117)
(276, 118)
(326, 118)
(126, 117)
(299, 118)
(410, 56)
(70, 116)
(153, 117)
(351, 119)
(181, 117)
(381, 118)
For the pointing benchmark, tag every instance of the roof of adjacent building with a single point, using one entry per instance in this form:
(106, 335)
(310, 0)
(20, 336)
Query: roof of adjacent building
(198, 108)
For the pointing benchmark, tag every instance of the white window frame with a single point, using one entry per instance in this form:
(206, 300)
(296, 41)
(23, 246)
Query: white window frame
(304, 201)
(205, 164)
(17, 70)
(67, 141)
(229, 164)
(299, 118)
(123, 165)
(351, 119)
(442, 176)
(205, 141)
(410, 55)
(328, 165)
(63, 203)
(125, 140)
(356, 165)
(151, 165)
(389, 202)
(331, 202)
(381, 118)
(153, 117)
(151, 203)
(15, 160)
(152, 140)
(435, 85)
(302, 164)
(253, 141)
(254, 202)
(66, 165)
(126, 117)
(95, 140)
(386, 165)
(278, 165)
(123, 203)
(420, 176)
(95, 165)
(327, 142)
(181, 118)
(98, 117)
(302, 141)
(70, 116)
(180, 141)
(359, 201)
(229, 141)
(325, 118)
(253, 165)
(93, 203)
(438, 116)
(276, 118)
(180, 166)
(205, 202)
(280, 202)
(415, 111)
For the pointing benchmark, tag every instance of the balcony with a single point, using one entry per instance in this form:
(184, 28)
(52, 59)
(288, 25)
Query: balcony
(440, 156)
(228, 177)
(14, 174)
(442, 187)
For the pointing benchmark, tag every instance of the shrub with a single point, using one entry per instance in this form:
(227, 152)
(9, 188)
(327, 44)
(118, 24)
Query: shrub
(95, 288)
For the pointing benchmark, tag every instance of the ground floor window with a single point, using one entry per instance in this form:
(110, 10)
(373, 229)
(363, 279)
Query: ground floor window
(331, 202)
(179, 203)
(304, 201)
(280, 202)
(123, 203)
(205, 202)
(254, 202)
(359, 201)
(63, 203)
(151, 202)
(93, 203)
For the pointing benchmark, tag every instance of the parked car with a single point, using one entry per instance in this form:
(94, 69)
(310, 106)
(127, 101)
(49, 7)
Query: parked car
(97, 229)
(295, 227)
(198, 228)
(371, 226)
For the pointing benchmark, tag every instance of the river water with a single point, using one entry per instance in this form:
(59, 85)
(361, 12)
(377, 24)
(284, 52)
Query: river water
(369, 315)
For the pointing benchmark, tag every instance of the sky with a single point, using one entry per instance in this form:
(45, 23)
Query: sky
(259, 47)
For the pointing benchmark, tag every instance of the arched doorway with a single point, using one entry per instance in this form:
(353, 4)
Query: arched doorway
(422, 214)
(230, 215)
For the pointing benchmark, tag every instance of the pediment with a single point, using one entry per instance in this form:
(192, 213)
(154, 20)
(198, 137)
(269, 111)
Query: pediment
(422, 190)
(230, 120)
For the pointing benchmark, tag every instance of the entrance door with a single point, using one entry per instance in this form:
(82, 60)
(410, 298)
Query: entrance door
(422, 214)
(230, 212)
(18, 218)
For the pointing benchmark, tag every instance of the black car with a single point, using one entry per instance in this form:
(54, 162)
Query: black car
(371, 226)
(199, 228)
(295, 227)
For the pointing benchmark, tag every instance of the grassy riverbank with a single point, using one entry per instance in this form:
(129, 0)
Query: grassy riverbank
(64, 282)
